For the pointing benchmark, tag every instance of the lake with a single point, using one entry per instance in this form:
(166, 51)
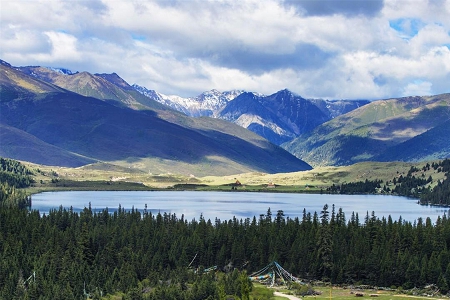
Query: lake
(226, 205)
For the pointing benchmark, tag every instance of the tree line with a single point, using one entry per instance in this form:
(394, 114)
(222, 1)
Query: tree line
(359, 187)
(411, 185)
(440, 194)
(13, 177)
(65, 254)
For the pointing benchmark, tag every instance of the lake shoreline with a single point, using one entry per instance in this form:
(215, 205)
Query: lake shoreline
(241, 205)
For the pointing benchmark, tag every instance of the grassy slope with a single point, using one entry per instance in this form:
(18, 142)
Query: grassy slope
(306, 181)
(430, 145)
(370, 130)
(23, 146)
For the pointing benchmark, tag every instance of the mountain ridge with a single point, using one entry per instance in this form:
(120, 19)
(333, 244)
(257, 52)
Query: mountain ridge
(262, 114)
(264, 120)
(110, 130)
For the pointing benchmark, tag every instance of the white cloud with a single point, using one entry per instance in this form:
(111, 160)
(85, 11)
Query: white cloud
(24, 41)
(417, 88)
(64, 47)
(362, 49)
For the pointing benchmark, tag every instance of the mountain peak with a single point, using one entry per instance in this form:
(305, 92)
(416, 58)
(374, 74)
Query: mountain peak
(114, 78)
(5, 63)
(212, 91)
(287, 92)
(85, 74)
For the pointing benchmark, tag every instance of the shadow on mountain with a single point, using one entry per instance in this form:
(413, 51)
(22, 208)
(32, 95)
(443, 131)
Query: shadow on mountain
(101, 131)
(23, 146)
(343, 150)
(430, 145)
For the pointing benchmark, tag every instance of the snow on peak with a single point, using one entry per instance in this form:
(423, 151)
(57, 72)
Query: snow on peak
(205, 104)
(152, 94)
(61, 71)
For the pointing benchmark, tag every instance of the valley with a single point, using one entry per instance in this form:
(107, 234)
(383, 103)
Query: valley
(224, 150)
(95, 132)
(148, 255)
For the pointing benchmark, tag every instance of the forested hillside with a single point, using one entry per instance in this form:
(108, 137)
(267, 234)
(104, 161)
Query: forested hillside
(13, 176)
(440, 195)
(63, 254)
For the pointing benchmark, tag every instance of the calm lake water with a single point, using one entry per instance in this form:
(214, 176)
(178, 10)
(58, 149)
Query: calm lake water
(226, 205)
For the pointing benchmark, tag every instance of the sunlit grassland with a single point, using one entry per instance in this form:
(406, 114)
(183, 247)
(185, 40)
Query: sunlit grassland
(260, 291)
(112, 177)
(347, 293)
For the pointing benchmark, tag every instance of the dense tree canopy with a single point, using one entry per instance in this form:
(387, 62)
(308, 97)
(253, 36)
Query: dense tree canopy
(122, 250)
(13, 176)
(439, 195)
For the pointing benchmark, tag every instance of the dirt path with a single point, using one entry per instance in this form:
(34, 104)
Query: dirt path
(286, 296)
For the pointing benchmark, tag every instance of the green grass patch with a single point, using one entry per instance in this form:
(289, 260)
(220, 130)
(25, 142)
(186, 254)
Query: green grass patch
(98, 185)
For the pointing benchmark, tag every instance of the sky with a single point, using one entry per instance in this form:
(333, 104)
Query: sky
(330, 49)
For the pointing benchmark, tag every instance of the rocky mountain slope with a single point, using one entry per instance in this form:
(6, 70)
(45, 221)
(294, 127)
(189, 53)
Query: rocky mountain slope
(279, 117)
(108, 87)
(207, 104)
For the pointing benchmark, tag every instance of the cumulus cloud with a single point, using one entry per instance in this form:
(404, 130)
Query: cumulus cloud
(325, 48)
(417, 88)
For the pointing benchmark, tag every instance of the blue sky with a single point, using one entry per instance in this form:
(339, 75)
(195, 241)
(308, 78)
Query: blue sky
(334, 49)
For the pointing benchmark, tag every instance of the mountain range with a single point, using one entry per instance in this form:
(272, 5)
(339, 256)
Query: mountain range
(279, 117)
(213, 132)
(90, 118)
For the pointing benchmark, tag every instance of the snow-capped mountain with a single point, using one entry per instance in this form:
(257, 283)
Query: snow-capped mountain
(208, 103)
(171, 101)
(279, 117)
(211, 102)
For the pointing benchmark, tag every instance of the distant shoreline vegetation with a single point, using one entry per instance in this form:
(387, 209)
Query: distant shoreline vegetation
(15, 179)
